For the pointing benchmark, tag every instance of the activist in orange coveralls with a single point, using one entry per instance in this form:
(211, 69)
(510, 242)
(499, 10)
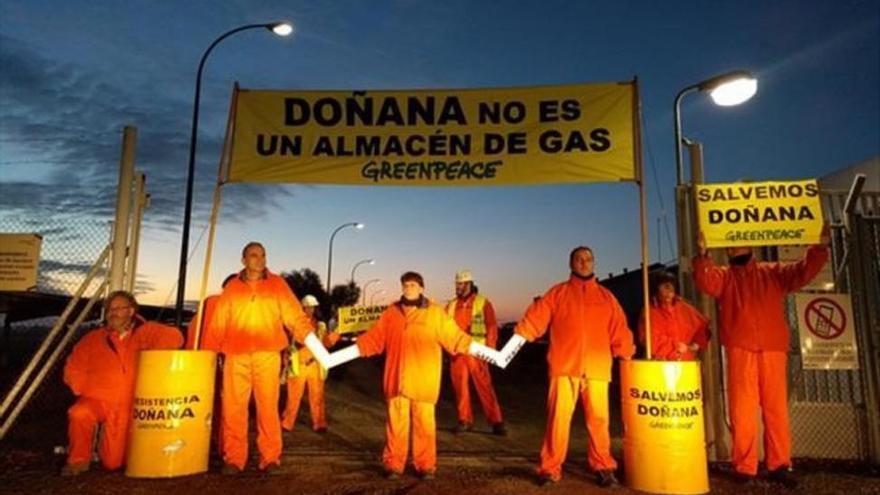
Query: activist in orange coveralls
(304, 372)
(678, 330)
(412, 333)
(249, 323)
(209, 341)
(587, 329)
(751, 297)
(475, 316)
(101, 372)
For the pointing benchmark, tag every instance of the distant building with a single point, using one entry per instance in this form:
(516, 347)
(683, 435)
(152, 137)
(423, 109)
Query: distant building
(840, 180)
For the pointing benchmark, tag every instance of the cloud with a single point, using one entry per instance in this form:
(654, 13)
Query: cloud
(61, 135)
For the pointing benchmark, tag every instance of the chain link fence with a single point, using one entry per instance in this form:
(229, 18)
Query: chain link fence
(71, 244)
(828, 407)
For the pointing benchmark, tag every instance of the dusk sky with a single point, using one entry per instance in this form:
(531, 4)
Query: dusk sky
(73, 73)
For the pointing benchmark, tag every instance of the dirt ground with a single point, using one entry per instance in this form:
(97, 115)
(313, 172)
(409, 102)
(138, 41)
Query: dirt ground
(347, 459)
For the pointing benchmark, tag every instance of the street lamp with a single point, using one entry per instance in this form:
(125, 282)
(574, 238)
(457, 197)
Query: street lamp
(280, 29)
(356, 225)
(369, 261)
(373, 297)
(726, 90)
(364, 293)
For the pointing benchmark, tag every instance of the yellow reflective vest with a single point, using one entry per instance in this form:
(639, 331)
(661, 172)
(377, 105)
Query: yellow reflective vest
(293, 368)
(478, 320)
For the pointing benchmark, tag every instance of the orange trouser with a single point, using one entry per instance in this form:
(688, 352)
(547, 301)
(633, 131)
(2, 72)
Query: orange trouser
(242, 374)
(309, 377)
(465, 367)
(755, 378)
(561, 401)
(397, 435)
(83, 417)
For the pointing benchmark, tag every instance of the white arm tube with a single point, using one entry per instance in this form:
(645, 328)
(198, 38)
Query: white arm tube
(318, 349)
(510, 349)
(484, 353)
(343, 356)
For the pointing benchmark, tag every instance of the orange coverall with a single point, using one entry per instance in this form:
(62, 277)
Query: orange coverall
(755, 334)
(208, 339)
(412, 339)
(670, 325)
(587, 328)
(250, 323)
(210, 342)
(465, 367)
(310, 376)
(101, 371)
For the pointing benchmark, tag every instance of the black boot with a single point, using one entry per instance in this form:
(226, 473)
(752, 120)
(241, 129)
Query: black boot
(784, 477)
(606, 479)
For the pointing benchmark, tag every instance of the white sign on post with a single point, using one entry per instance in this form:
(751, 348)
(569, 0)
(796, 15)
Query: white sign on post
(19, 260)
(827, 332)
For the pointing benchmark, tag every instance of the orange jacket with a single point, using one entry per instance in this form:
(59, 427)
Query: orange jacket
(750, 297)
(463, 312)
(104, 367)
(587, 327)
(208, 336)
(412, 339)
(670, 325)
(251, 315)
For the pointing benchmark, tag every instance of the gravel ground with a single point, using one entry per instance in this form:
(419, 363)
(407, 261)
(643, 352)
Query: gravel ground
(346, 459)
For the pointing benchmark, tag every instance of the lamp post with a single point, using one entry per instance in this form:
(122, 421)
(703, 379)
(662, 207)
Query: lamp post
(366, 285)
(280, 29)
(356, 225)
(729, 89)
(373, 297)
(368, 261)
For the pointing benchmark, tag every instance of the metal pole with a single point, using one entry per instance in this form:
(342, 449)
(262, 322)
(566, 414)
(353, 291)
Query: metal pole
(373, 297)
(140, 203)
(676, 114)
(330, 254)
(193, 140)
(364, 293)
(356, 265)
(123, 208)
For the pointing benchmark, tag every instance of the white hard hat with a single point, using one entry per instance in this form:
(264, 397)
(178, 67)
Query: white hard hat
(309, 301)
(464, 276)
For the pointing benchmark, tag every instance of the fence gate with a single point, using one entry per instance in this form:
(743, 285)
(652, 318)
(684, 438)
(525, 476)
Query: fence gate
(834, 413)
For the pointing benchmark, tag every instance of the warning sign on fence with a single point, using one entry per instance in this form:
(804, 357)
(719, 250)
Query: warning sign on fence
(19, 261)
(827, 334)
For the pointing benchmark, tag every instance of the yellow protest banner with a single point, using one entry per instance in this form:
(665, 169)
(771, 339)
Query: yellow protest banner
(760, 213)
(530, 135)
(353, 319)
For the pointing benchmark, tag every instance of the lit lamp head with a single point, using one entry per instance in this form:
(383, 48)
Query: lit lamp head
(731, 89)
(283, 28)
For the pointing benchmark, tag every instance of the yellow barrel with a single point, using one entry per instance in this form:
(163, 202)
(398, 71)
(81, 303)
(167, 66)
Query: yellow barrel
(170, 432)
(664, 446)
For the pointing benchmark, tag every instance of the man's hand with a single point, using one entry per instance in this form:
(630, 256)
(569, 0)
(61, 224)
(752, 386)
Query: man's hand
(681, 348)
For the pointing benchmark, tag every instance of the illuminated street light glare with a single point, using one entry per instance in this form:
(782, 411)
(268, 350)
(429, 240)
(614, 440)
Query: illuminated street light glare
(281, 28)
(359, 226)
(734, 92)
